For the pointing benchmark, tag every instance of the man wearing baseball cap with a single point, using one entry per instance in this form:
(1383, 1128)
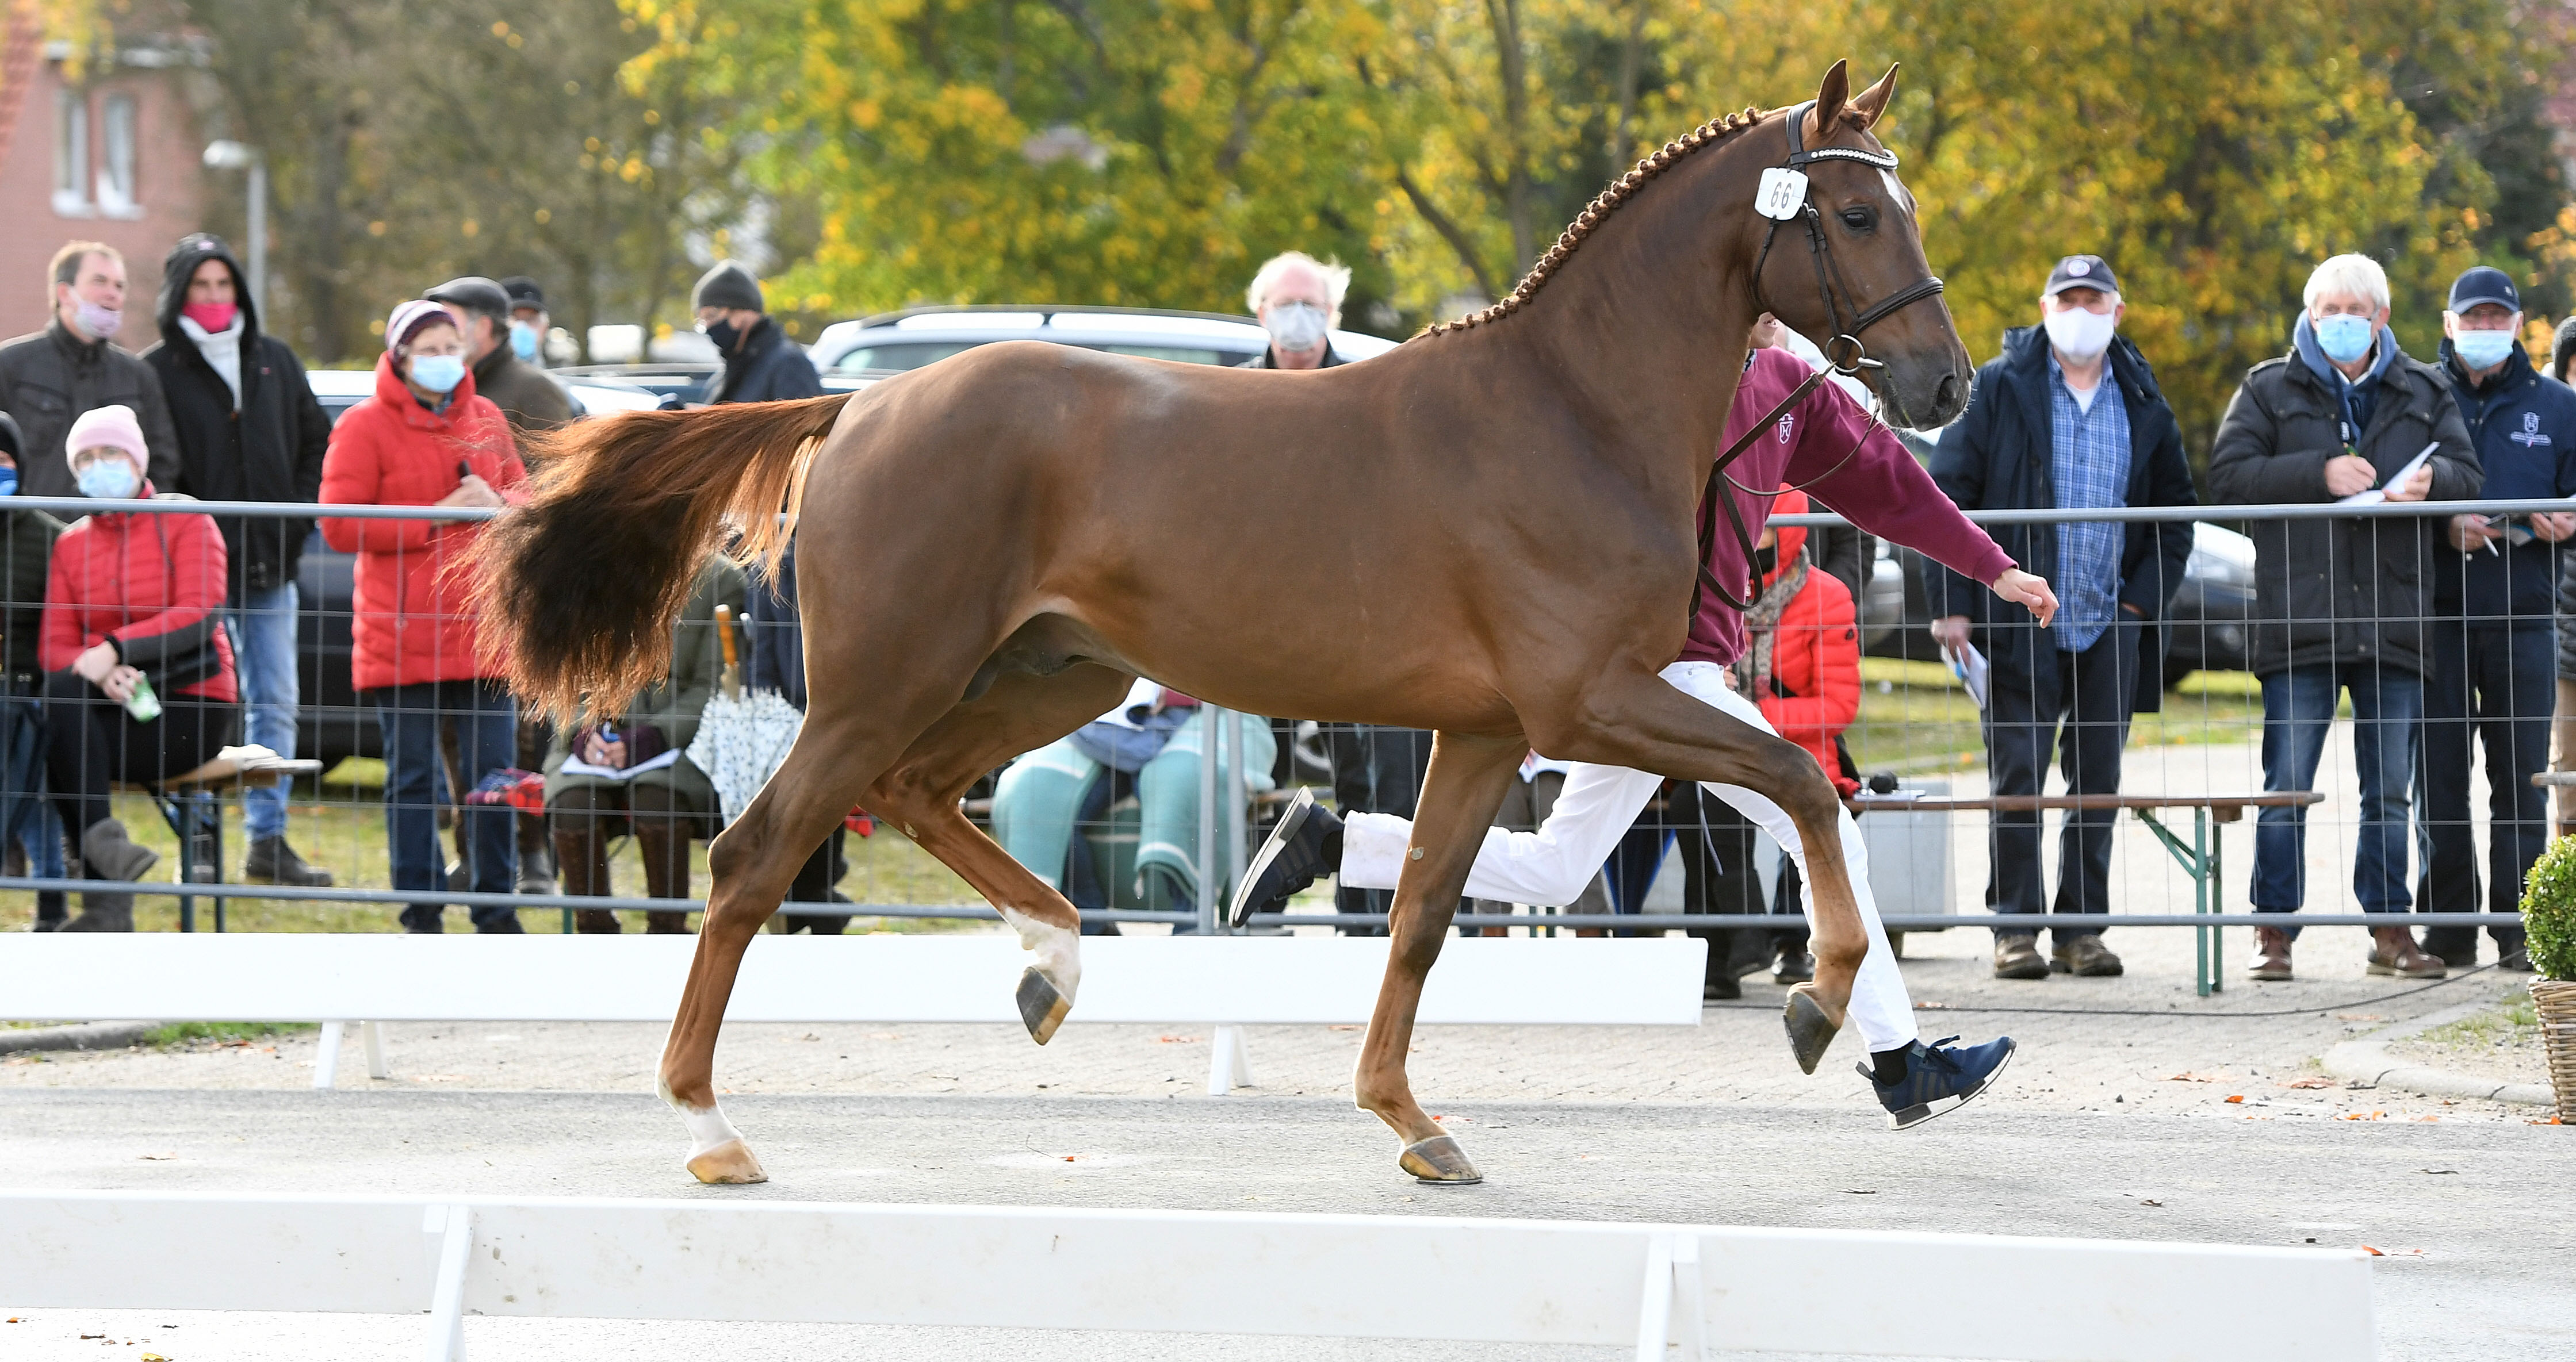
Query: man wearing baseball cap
(2491, 640)
(528, 322)
(2068, 418)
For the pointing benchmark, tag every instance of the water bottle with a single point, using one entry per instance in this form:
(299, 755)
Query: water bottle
(141, 702)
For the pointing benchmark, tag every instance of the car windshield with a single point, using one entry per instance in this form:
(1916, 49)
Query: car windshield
(901, 355)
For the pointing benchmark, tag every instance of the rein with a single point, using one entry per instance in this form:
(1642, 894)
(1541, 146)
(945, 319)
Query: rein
(1782, 197)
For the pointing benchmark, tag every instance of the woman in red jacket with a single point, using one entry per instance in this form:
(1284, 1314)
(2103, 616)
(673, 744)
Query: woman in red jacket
(138, 673)
(426, 439)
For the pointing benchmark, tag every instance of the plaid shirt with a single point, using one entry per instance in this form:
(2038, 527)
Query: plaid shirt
(2089, 460)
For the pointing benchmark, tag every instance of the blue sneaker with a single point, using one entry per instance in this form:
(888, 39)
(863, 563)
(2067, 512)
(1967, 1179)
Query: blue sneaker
(1938, 1078)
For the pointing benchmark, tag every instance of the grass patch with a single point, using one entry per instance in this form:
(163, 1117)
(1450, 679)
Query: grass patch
(180, 1033)
(2512, 1024)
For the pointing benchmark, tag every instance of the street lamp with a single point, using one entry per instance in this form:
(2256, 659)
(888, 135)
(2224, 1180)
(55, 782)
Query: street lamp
(230, 155)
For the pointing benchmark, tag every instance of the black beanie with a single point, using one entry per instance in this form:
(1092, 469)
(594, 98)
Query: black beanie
(727, 285)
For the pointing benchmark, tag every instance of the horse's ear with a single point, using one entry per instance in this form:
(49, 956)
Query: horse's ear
(1830, 99)
(1871, 104)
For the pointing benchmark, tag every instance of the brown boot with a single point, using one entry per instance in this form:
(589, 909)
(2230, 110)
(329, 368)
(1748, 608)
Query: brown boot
(599, 920)
(2396, 953)
(2271, 955)
(2017, 956)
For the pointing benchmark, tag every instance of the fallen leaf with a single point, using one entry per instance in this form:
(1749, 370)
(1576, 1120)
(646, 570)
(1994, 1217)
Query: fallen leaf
(1178, 1040)
(1344, 1028)
(2311, 1081)
(2372, 1251)
(2187, 1076)
(152, 1357)
(2237, 1098)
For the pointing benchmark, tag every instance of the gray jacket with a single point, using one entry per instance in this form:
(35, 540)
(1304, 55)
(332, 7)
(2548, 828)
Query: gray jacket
(48, 379)
(2347, 590)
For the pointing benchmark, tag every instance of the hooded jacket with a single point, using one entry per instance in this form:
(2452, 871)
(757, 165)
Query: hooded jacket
(412, 621)
(2524, 427)
(767, 367)
(2339, 591)
(49, 378)
(268, 448)
(1813, 692)
(152, 586)
(2002, 456)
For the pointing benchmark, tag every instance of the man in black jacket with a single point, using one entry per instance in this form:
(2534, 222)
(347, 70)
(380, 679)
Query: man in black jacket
(51, 378)
(30, 830)
(2340, 603)
(760, 363)
(2068, 417)
(248, 430)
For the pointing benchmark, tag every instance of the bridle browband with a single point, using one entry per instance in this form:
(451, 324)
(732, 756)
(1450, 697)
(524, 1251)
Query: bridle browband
(1784, 196)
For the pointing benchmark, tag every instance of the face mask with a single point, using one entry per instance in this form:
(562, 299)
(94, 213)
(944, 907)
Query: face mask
(8, 482)
(438, 373)
(1766, 560)
(523, 340)
(212, 316)
(2482, 349)
(99, 322)
(2345, 338)
(2079, 334)
(1295, 327)
(109, 480)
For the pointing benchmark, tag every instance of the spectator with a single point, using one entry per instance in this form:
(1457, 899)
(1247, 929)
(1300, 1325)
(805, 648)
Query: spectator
(2044, 429)
(29, 828)
(1299, 300)
(2562, 351)
(778, 663)
(760, 363)
(668, 801)
(138, 677)
(526, 396)
(425, 438)
(531, 402)
(49, 379)
(2339, 603)
(248, 430)
(529, 325)
(2491, 640)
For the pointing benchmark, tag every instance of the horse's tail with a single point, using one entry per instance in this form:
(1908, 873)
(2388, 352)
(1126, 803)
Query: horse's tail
(577, 589)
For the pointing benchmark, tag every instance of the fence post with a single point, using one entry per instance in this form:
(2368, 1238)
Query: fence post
(1237, 795)
(1211, 881)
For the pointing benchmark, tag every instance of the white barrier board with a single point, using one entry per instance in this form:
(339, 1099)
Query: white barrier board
(1470, 1279)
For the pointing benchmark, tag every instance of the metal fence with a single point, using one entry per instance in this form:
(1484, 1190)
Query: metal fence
(1134, 846)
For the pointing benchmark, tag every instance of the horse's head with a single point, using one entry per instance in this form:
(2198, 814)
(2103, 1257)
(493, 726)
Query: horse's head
(1855, 266)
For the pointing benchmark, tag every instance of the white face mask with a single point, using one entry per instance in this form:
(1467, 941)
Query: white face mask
(1295, 327)
(2079, 334)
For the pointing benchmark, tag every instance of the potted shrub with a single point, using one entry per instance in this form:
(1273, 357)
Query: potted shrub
(2549, 916)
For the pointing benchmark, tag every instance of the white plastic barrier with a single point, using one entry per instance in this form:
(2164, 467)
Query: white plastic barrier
(1342, 1276)
(1223, 982)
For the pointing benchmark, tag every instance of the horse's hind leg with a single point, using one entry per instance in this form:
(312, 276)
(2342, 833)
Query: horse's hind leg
(919, 794)
(1460, 793)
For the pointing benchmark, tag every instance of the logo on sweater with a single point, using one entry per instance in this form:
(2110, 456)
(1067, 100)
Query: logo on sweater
(2529, 435)
(1785, 423)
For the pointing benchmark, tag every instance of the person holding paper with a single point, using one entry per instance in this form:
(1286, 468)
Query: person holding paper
(2340, 604)
(2069, 416)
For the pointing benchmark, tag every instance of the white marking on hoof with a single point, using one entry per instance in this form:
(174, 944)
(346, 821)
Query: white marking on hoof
(1059, 950)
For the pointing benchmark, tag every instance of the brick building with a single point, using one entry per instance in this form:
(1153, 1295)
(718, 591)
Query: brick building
(113, 156)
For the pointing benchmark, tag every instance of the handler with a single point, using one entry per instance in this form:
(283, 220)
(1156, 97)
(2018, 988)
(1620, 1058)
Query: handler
(1826, 443)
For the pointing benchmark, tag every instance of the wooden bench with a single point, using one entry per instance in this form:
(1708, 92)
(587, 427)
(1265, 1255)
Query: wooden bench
(189, 803)
(2199, 859)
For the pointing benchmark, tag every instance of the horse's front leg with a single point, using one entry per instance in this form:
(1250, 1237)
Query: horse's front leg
(1460, 793)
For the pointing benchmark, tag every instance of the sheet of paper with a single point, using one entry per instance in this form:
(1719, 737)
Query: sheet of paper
(1969, 666)
(2372, 496)
(575, 766)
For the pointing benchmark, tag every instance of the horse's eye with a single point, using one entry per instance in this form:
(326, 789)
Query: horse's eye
(1860, 219)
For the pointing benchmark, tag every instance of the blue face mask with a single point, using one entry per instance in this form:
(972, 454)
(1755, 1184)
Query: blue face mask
(438, 373)
(109, 480)
(523, 340)
(8, 482)
(2482, 349)
(2345, 338)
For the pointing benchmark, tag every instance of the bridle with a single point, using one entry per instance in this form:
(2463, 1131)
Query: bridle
(1784, 197)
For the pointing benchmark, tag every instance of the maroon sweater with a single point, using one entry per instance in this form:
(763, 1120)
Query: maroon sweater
(1881, 489)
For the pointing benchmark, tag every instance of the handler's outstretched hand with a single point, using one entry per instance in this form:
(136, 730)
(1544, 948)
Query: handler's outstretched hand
(2017, 585)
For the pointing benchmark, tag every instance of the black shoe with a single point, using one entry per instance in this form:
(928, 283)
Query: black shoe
(2514, 961)
(2458, 946)
(1721, 987)
(1306, 844)
(502, 926)
(1796, 966)
(272, 861)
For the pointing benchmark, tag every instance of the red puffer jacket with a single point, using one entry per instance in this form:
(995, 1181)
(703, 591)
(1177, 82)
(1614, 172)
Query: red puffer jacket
(412, 622)
(1814, 690)
(152, 585)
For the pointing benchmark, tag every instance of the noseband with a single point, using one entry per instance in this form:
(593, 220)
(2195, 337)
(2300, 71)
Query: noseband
(1783, 197)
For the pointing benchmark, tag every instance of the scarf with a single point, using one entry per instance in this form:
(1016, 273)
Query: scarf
(1762, 624)
(222, 350)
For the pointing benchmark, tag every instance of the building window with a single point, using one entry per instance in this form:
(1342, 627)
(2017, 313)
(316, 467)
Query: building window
(116, 183)
(71, 153)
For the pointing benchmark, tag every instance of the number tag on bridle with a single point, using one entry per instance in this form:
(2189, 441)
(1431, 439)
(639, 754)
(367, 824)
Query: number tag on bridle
(1782, 193)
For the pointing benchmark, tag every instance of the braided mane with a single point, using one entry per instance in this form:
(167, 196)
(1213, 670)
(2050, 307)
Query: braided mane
(1706, 134)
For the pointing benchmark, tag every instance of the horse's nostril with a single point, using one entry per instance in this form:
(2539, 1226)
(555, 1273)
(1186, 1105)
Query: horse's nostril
(1948, 396)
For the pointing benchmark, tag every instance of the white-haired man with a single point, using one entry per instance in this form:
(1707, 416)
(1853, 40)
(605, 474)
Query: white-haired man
(1299, 300)
(2340, 603)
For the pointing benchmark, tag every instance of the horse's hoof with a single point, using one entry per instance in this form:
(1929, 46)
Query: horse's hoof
(730, 1162)
(1041, 1006)
(1440, 1162)
(1811, 1028)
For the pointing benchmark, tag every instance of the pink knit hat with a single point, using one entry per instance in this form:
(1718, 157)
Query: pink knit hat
(411, 318)
(112, 426)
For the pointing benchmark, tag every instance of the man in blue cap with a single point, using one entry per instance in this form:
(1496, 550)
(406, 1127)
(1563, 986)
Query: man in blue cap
(2491, 641)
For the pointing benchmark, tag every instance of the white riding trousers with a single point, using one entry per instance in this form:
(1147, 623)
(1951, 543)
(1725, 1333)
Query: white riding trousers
(1550, 867)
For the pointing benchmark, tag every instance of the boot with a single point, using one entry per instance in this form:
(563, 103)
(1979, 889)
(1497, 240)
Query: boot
(661, 923)
(103, 913)
(2457, 947)
(114, 856)
(2396, 953)
(272, 861)
(2017, 956)
(2085, 957)
(2271, 955)
(595, 920)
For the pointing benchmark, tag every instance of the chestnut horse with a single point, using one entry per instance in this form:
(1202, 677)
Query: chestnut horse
(1501, 548)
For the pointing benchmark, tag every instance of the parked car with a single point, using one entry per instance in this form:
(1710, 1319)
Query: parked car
(892, 342)
(333, 724)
